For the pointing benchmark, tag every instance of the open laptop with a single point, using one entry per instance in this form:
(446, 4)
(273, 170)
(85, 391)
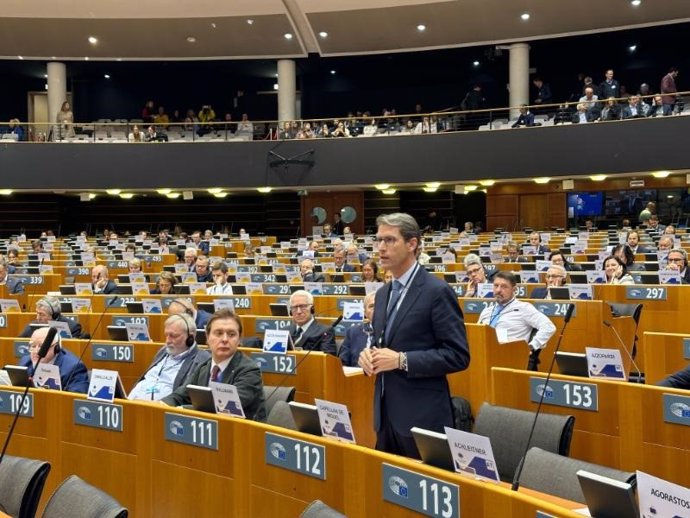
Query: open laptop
(572, 364)
(606, 497)
(357, 291)
(559, 293)
(67, 289)
(433, 448)
(279, 310)
(135, 307)
(239, 289)
(306, 418)
(66, 306)
(118, 333)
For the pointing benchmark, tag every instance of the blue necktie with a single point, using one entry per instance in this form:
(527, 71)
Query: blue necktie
(393, 304)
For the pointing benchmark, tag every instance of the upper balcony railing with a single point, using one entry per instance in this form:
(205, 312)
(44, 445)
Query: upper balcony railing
(136, 130)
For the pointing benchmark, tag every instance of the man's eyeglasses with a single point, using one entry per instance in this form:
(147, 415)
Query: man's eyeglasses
(473, 271)
(554, 276)
(300, 307)
(35, 347)
(387, 240)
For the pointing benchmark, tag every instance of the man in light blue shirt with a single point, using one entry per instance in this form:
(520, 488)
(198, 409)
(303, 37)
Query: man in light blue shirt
(173, 363)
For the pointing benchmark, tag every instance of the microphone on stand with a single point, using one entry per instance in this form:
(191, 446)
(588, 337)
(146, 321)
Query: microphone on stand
(518, 473)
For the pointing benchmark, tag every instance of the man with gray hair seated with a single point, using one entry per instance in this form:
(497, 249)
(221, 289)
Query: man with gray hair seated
(173, 363)
(305, 332)
(475, 272)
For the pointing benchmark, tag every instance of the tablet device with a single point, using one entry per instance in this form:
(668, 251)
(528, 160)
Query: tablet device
(118, 333)
(135, 307)
(279, 310)
(67, 289)
(19, 375)
(357, 291)
(572, 364)
(306, 417)
(433, 448)
(201, 398)
(559, 293)
(606, 497)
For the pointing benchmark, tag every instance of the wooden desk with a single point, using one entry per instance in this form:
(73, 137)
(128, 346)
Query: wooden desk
(155, 477)
(665, 354)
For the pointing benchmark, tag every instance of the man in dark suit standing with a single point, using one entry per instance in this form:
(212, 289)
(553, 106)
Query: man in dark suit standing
(306, 333)
(420, 337)
(227, 365)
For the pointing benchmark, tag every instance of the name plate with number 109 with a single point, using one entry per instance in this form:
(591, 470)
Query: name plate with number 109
(423, 494)
(300, 456)
(644, 293)
(583, 396)
(202, 433)
(10, 401)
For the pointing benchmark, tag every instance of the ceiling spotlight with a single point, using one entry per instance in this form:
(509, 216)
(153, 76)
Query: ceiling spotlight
(5, 192)
(433, 185)
(107, 76)
(127, 195)
(86, 58)
(475, 63)
(388, 191)
(598, 177)
(264, 190)
(470, 188)
(430, 189)
(93, 40)
(45, 75)
(275, 86)
(487, 183)
(164, 191)
(524, 17)
(632, 48)
(382, 186)
(421, 27)
(173, 195)
(635, 3)
(661, 174)
(20, 58)
(332, 72)
(118, 59)
(191, 39)
(288, 36)
(323, 34)
(221, 194)
(542, 180)
(113, 192)
(213, 25)
(215, 190)
(250, 22)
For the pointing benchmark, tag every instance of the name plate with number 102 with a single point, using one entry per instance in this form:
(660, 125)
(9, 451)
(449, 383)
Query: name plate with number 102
(583, 396)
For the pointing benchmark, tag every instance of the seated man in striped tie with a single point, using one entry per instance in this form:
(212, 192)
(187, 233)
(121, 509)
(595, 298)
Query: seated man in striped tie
(226, 365)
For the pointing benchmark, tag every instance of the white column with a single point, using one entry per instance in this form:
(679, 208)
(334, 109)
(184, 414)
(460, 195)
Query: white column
(57, 88)
(518, 77)
(287, 83)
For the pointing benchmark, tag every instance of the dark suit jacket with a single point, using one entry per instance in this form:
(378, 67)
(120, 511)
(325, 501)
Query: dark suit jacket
(355, 341)
(241, 372)
(195, 358)
(202, 318)
(312, 335)
(346, 268)
(539, 293)
(314, 277)
(74, 327)
(680, 379)
(430, 328)
(73, 374)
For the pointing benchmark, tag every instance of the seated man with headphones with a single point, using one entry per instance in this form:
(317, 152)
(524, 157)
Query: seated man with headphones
(306, 333)
(173, 363)
(516, 320)
(73, 374)
(47, 310)
(555, 277)
(677, 259)
(179, 306)
(306, 268)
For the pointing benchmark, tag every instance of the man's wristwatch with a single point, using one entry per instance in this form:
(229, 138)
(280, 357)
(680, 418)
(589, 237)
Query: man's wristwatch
(402, 362)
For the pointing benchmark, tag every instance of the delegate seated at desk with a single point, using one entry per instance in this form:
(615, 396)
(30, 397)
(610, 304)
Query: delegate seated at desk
(306, 333)
(48, 310)
(73, 374)
(358, 336)
(227, 365)
(174, 363)
(517, 320)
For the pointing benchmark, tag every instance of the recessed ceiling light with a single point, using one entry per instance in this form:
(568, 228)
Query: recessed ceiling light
(20, 57)
(470, 188)
(430, 189)
(276, 86)
(388, 191)
(191, 39)
(661, 174)
(221, 194)
(433, 185)
(487, 183)
(382, 186)
(475, 63)
(86, 58)
(524, 17)
(118, 59)
(127, 195)
(173, 195)
(215, 190)
(107, 76)
(635, 3)
(421, 27)
(113, 192)
(543, 179)
(332, 72)
(323, 34)
(598, 177)
(213, 25)
(93, 40)
(632, 48)
(5, 192)
(288, 36)
(164, 191)
(250, 22)
(45, 75)
(264, 190)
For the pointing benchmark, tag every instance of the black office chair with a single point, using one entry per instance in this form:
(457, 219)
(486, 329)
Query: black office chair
(74, 497)
(21, 485)
(317, 509)
(274, 394)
